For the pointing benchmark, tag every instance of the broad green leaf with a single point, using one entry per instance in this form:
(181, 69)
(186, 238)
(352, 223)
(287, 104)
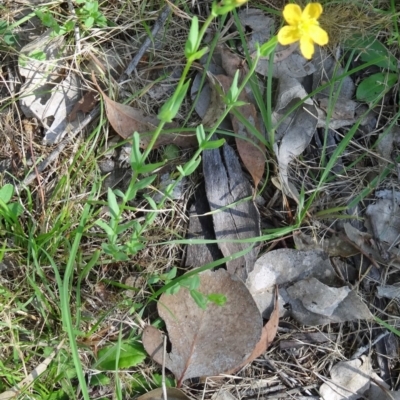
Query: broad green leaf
(375, 86)
(370, 49)
(6, 192)
(130, 354)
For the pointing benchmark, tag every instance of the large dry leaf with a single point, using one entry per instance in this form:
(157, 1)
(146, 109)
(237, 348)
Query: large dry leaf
(350, 379)
(267, 336)
(233, 218)
(206, 342)
(251, 150)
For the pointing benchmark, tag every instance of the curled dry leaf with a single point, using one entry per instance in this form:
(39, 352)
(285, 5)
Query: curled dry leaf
(206, 342)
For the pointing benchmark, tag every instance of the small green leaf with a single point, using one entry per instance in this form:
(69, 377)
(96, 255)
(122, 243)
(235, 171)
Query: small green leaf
(6, 192)
(171, 274)
(145, 182)
(145, 169)
(217, 298)
(171, 151)
(89, 22)
(215, 144)
(38, 55)
(200, 134)
(15, 209)
(173, 289)
(136, 154)
(191, 283)
(233, 91)
(200, 299)
(153, 280)
(99, 380)
(267, 48)
(171, 107)
(192, 40)
(189, 167)
(130, 354)
(375, 86)
(112, 203)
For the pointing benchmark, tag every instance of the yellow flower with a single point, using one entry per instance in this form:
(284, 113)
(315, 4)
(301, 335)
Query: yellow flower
(303, 26)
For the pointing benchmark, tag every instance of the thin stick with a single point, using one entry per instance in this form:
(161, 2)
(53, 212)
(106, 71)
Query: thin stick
(163, 385)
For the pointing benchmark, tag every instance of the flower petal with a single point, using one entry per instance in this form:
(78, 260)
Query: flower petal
(312, 10)
(292, 14)
(306, 47)
(288, 35)
(318, 35)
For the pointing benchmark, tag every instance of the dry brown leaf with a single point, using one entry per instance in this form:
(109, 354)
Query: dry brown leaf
(206, 342)
(126, 120)
(267, 335)
(85, 104)
(251, 150)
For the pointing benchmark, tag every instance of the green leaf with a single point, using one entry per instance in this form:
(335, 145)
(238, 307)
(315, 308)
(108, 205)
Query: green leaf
(99, 380)
(145, 169)
(192, 40)
(15, 209)
(189, 167)
(130, 354)
(170, 274)
(89, 22)
(191, 283)
(214, 144)
(200, 299)
(171, 107)
(217, 298)
(200, 134)
(136, 154)
(112, 203)
(370, 49)
(233, 91)
(267, 48)
(375, 86)
(171, 151)
(145, 182)
(6, 192)
(173, 289)
(38, 55)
